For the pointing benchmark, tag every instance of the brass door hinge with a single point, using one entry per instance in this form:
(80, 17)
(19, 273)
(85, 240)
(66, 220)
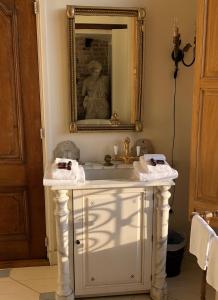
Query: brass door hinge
(36, 7)
(46, 241)
(42, 133)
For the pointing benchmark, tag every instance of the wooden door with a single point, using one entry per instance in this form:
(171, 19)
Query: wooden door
(112, 241)
(204, 152)
(22, 212)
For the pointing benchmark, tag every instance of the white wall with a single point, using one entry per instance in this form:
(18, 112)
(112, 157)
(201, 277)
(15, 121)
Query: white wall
(55, 58)
(158, 84)
(159, 88)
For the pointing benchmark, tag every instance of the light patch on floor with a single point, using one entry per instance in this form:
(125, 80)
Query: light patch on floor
(39, 283)
(12, 290)
(47, 296)
(39, 279)
(4, 273)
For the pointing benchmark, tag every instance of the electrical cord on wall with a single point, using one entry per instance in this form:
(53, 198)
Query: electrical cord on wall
(178, 56)
(174, 123)
(173, 141)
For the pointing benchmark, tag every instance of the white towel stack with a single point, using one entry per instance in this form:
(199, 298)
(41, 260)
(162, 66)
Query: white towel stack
(212, 270)
(200, 240)
(76, 174)
(147, 172)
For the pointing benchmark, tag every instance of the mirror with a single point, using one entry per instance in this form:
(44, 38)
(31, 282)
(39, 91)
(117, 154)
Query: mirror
(106, 68)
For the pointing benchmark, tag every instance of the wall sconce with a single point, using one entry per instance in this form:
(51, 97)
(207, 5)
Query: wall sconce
(178, 54)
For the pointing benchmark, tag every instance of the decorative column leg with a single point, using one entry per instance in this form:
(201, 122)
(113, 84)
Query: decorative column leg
(64, 290)
(160, 233)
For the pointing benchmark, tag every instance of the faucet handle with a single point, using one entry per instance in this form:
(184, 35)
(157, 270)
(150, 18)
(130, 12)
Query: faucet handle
(115, 150)
(107, 160)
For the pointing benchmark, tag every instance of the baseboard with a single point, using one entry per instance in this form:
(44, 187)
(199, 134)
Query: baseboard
(23, 263)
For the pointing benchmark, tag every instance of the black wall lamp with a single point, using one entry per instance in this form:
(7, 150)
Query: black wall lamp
(178, 54)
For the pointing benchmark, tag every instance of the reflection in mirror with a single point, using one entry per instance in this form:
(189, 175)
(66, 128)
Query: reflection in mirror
(93, 75)
(106, 51)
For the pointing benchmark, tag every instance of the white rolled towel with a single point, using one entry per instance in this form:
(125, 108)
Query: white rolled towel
(74, 163)
(153, 174)
(159, 168)
(143, 164)
(212, 270)
(81, 178)
(155, 156)
(200, 240)
(76, 174)
(62, 174)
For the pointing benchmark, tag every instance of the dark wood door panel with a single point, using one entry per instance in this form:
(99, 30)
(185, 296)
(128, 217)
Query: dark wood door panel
(11, 139)
(16, 173)
(211, 41)
(207, 167)
(14, 214)
(22, 211)
(204, 160)
(29, 76)
(13, 250)
(14, 225)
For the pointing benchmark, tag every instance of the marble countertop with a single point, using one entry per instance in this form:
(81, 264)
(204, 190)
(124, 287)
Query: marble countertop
(101, 166)
(57, 184)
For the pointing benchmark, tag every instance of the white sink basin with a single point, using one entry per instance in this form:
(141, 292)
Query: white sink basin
(110, 174)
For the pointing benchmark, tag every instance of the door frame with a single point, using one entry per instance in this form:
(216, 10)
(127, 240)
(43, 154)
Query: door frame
(45, 133)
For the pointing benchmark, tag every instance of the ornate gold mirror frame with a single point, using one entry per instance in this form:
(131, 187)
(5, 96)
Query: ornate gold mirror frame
(113, 123)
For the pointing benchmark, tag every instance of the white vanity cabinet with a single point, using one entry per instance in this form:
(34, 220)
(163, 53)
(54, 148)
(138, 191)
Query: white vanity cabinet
(111, 234)
(112, 240)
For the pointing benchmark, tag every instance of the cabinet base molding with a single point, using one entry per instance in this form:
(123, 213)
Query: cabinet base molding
(146, 292)
(23, 263)
(70, 297)
(158, 294)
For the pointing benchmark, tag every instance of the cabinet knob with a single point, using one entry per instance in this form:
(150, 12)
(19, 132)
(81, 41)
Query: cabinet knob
(78, 242)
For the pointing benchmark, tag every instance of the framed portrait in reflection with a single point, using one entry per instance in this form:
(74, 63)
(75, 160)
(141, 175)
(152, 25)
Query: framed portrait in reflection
(93, 73)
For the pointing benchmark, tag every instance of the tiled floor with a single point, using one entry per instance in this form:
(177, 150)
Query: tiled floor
(39, 283)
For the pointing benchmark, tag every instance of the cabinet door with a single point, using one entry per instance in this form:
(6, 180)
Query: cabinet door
(112, 237)
(204, 158)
